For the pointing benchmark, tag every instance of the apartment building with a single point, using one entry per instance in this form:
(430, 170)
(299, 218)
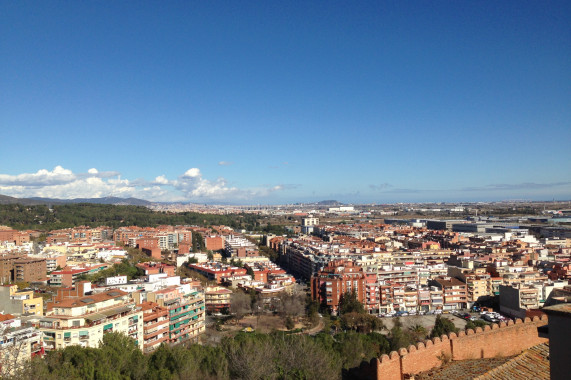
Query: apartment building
(516, 299)
(30, 269)
(22, 268)
(237, 246)
(186, 310)
(214, 243)
(156, 268)
(217, 299)
(337, 278)
(478, 288)
(18, 344)
(22, 302)
(372, 293)
(81, 317)
(454, 292)
(151, 246)
(155, 326)
(13, 236)
(408, 276)
(302, 261)
(308, 224)
(67, 277)
(217, 271)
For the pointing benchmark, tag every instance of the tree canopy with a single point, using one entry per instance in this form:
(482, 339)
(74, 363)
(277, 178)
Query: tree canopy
(41, 217)
(348, 303)
(442, 326)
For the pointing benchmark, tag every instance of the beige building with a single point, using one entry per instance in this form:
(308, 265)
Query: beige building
(84, 318)
(477, 287)
(217, 298)
(23, 302)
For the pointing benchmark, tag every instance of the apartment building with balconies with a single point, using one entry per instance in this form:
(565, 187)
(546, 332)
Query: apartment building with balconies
(217, 299)
(336, 279)
(81, 317)
(155, 326)
(186, 310)
(454, 292)
(516, 299)
(19, 342)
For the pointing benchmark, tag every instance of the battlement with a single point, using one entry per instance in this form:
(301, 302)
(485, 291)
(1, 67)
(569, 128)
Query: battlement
(496, 340)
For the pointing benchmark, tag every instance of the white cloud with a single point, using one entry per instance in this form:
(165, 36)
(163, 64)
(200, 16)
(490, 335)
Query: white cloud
(161, 180)
(193, 185)
(42, 177)
(225, 163)
(63, 183)
(192, 173)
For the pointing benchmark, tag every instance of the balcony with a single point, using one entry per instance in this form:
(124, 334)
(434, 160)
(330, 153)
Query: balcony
(150, 334)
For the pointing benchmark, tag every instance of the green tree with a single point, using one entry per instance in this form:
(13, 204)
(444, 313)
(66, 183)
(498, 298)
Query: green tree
(197, 242)
(477, 323)
(417, 333)
(361, 322)
(442, 326)
(398, 336)
(348, 303)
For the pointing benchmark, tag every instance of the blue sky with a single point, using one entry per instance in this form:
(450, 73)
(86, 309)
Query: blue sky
(274, 102)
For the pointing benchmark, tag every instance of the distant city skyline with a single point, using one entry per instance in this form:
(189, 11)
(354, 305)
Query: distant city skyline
(269, 103)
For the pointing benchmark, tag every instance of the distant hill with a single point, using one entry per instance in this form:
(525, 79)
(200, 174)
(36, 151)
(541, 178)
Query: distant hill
(4, 199)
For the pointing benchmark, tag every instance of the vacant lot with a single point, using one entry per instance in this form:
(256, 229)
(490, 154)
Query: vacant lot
(265, 323)
(426, 321)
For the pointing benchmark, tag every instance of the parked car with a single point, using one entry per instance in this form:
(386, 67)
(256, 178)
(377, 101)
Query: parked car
(489, 318)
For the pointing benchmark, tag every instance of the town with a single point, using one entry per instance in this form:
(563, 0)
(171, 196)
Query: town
(183, 284)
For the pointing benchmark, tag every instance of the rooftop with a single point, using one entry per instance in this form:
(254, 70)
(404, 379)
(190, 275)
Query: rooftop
(562, 309)
(531, 364)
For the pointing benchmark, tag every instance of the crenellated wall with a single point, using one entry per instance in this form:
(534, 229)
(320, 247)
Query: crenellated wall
(426, 355)
(503, 339)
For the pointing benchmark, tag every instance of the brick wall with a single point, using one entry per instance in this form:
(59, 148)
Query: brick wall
(425, 355)
(214, 243)
(504, 339)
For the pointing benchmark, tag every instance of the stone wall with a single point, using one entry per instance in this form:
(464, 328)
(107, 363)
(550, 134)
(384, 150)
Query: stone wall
(503, 339)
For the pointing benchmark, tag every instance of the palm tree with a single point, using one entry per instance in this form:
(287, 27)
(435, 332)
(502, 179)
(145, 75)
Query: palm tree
(418, 332)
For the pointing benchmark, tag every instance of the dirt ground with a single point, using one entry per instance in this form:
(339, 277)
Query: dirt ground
(427, 321)
(263, 324)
